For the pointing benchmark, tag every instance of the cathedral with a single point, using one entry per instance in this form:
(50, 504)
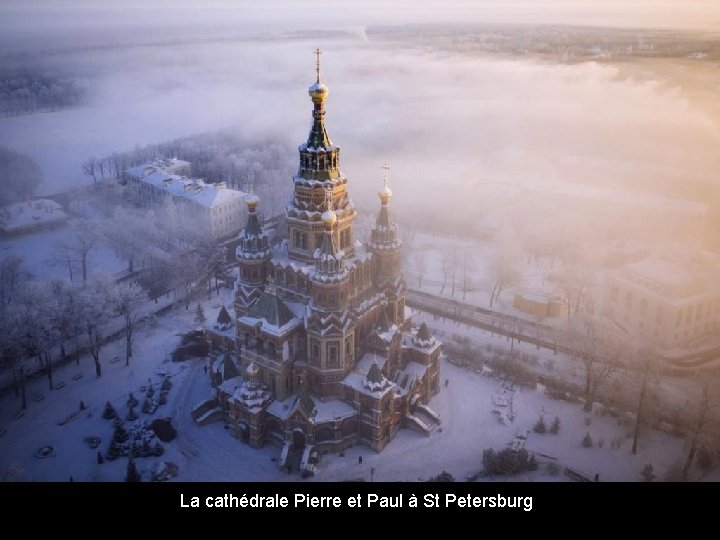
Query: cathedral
(320, 355)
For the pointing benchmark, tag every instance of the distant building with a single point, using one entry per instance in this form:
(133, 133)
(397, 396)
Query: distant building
(540, 303)
(671, 301)
(214, 208)
(30, 217)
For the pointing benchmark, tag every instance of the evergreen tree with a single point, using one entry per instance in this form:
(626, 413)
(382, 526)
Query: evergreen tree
(555, 427)
(131, 415)
(647, 473)
(147, 407)
(150, 392)
(587, 441)
(132, 401)
(121, 435)
(100, 458)
(540, 426)
(443, 477)
(200, 315)
(132, 473)
(109, 412)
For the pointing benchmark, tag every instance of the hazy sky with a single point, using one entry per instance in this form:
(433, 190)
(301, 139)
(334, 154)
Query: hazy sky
(486, 127)
(688, 14)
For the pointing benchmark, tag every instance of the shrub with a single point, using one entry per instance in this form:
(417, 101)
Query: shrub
(587, 441)
(443, 477)
(540, 426)
(508, 461)
(552, 469)
(555, 427)
(647, 473)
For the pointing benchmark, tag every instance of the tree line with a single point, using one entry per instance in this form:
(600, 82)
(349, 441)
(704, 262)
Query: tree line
(27, 94)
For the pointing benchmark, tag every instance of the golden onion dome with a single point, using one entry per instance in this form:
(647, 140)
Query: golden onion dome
(252, 370)
(252, 201)
(385, 194)
(318, 92)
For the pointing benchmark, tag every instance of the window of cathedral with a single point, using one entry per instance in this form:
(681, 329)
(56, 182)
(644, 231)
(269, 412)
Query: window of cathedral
(315, 351)
(333, 359)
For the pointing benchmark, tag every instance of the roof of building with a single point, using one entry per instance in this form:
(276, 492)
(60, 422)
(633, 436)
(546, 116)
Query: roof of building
(229, 369)
(677, 278)
(271, 309)
(192, 189)
(224, 317)
(305, 403)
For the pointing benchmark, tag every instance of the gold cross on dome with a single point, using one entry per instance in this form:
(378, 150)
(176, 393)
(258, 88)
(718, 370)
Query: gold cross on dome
(318, 52)
(386, 169)
(251, 182)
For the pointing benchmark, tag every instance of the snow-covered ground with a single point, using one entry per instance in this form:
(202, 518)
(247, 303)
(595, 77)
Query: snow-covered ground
(476, 257)
(36, 250)
(209, 453)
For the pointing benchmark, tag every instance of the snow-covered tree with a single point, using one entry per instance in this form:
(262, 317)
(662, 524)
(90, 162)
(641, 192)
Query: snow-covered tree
(12, 274)
(13, 347)
(95, 308)
(127, 298)
(132, 474)
(109, 411)
(200, 318)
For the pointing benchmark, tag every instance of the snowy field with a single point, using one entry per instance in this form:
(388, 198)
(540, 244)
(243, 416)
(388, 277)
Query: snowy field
(476, 258)
(209, 453)
(36, 250)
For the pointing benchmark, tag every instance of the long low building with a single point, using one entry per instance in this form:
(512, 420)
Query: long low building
(214, 208)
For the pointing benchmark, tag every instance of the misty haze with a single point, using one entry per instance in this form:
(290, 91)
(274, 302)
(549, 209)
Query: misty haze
(295, 242)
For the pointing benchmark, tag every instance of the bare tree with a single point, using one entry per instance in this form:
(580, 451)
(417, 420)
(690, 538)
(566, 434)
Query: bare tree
(702, 429)
(90, 168)
(467, 265)
(62, 255)
(448, 260)
(599, 352)
(505, 270)
(646, 378)
(127, 299)
(85, 239)
(420, 266)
